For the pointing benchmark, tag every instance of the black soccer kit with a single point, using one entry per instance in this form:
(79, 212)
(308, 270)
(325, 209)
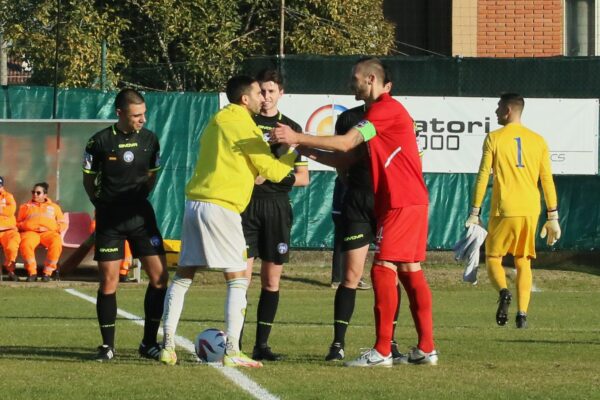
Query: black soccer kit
(358, 204)
(121, 162)
(267, 221)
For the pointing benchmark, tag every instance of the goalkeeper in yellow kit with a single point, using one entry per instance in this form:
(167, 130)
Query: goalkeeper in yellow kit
(518, 158)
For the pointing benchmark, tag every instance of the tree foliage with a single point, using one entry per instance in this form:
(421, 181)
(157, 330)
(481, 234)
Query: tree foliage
(83, 25)
(185, 44)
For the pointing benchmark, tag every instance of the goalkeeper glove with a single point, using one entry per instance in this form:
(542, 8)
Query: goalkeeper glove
(473, 218)
(551, 228)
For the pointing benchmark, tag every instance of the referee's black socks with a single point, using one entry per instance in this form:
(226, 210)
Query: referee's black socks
(343, 309)
(265, 315)
(153, 310)
(106, 310)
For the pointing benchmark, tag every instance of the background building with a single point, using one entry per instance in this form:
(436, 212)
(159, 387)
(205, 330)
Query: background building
(497, 28)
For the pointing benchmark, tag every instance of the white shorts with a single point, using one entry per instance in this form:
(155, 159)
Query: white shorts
(212, 236)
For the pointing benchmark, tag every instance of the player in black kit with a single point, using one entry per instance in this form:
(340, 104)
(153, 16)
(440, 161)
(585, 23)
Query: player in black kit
(267, 220)
(358, 224)
(119, 171)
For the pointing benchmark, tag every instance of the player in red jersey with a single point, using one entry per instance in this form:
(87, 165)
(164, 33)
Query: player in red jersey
(401, 209)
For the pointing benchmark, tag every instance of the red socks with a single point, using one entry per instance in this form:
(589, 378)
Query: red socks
(386, 302)
(419, 296)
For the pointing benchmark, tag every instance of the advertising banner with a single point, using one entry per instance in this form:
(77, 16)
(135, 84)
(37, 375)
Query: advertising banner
(452, 129)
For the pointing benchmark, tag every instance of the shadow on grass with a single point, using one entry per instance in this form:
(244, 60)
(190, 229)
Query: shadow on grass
(63, 354)
(51, 317)
(558, 342)
(585, 262)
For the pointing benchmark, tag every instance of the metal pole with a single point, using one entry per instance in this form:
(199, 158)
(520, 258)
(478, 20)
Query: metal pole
(282, 30)
(58, 127)
(56, 45)
(3, 62)
(103, 66)
(55, 100)
(103, 57)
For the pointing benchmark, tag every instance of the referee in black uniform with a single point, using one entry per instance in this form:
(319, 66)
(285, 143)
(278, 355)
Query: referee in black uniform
(267, 221)
(119, 171)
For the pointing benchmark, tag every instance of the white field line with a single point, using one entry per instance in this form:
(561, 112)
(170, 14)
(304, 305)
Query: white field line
(232, 374)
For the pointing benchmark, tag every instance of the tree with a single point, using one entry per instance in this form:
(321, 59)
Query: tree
(83, 25)
(188, 44)
(191, 44)
(331, 27)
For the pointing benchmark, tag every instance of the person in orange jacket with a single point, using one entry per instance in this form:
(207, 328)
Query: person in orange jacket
(9, 235)
(127, 257)
(40, 221)
(126, 263)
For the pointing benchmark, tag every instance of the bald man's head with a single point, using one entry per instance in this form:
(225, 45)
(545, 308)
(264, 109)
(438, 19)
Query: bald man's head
(372, 66)
(369, 79)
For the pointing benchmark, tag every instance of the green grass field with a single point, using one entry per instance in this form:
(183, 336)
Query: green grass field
(48, 337)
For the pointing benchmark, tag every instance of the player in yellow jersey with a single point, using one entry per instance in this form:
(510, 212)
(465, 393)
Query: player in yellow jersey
(518, 159)
(232, 154)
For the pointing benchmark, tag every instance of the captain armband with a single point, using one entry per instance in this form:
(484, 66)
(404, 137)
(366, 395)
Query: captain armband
(366, 129)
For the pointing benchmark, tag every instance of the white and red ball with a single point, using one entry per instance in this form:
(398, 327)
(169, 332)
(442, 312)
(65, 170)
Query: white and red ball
(210, 345)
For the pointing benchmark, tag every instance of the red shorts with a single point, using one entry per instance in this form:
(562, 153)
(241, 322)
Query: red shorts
(402, 234)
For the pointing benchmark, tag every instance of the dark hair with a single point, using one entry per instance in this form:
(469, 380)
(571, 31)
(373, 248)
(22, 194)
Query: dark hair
(270, 75)
(513, 99)
(376, 67)
(43, 185)
(128, 96)
(237, 87)
(387, 74)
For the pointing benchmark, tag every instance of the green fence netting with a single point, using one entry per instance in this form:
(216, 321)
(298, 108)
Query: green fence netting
(178, 119)
(561, 77)
(30, 156)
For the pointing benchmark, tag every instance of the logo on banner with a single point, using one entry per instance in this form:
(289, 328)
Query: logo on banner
(321, 121)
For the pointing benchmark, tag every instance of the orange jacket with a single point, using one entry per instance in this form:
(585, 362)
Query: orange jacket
(7, 211)
(32, 216)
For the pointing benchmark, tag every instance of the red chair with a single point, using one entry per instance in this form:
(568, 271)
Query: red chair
(78, 230)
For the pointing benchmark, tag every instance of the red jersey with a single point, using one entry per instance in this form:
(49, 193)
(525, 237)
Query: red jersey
(395, 163)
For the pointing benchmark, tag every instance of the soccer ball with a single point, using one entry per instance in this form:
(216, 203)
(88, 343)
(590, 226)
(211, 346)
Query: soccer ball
(210, 345)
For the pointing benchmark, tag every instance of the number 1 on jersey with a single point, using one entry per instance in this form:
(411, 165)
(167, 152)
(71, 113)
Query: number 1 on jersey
(519, 154)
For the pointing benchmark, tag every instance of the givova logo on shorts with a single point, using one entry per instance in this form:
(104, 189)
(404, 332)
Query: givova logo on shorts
(353, 237)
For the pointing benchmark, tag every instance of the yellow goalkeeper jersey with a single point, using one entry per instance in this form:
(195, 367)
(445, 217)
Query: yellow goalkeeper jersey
(518, 159)
(232, 153)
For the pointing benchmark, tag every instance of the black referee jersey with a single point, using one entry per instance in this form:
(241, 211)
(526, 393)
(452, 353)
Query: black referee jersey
(121, 162)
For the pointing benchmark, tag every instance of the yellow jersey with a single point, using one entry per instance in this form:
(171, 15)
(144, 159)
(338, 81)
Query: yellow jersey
(518, 159)
(232, 154)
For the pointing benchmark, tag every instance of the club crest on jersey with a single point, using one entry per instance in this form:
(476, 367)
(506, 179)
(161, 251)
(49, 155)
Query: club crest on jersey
(282, 248)
(128, 156)
(155, 241)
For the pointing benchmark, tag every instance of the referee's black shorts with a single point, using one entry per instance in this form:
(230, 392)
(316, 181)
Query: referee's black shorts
(135, 223)
(267, 222)
(358, 219)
